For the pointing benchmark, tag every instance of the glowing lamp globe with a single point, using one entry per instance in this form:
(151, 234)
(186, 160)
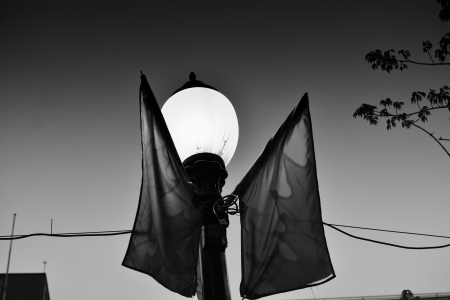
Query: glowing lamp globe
(201, 120)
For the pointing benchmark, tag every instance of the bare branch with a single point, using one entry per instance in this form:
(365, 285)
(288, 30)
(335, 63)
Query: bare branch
(430, 57)
(431, 134)
(372, 114)
(388, 61)
(421, 63)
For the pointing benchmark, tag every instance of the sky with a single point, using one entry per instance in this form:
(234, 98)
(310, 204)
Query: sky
(70, 137)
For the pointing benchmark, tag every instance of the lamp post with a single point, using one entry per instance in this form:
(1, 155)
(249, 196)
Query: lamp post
(283, 242)
(204, 128)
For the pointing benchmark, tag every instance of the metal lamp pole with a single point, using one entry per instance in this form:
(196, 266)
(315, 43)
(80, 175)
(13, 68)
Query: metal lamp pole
(207, 172)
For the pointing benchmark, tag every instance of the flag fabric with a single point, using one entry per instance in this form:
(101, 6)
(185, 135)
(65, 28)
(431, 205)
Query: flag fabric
(166, 233)
(283, 242)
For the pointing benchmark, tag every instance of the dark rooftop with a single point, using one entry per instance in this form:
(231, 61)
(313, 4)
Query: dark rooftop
(29, 286)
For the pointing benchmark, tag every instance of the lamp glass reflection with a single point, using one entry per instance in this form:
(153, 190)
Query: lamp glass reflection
(202, 120)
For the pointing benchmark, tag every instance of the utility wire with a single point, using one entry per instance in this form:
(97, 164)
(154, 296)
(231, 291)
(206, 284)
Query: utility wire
(74, 234)
(120, 232)
(387, 244)
(404, 232)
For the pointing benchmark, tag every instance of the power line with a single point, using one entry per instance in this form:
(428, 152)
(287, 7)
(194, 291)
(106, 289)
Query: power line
(394, 231)
(74, 234)
(121, 232)
(387, 244)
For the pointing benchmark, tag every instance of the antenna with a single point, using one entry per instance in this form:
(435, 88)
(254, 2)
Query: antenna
(9, 258)
(45, 263)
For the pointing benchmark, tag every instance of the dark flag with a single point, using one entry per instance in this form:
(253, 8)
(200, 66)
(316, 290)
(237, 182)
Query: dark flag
(283, 240)
(166, 234)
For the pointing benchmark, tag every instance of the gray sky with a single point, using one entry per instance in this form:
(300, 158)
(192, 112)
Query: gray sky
(70, 138)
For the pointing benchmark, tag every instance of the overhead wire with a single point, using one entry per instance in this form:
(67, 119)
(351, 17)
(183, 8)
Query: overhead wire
(384, 243)
(73, 234)
(393, 231)
(121, 232)
(225, 203)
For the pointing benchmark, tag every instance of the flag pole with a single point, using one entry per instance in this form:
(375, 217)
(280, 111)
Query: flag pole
(9, 258)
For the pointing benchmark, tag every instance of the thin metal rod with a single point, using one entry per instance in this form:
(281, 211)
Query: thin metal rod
(9, 258)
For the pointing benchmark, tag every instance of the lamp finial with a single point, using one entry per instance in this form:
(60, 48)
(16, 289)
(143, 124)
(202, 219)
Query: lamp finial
(193, 82)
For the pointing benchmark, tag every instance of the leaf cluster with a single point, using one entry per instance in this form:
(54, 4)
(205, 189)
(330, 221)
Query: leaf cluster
(444, 45)
(388, 61)
(444, 14)
(391, 110)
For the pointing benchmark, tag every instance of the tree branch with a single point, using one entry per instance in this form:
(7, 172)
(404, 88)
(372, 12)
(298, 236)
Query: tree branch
(427, 109)
(388, 114)
(371, 114)
(423, 64)
(430, 134)
(430, 57)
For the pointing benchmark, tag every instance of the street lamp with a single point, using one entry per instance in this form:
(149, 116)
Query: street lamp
(204, 128)
(184, 155)
(201, 120)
